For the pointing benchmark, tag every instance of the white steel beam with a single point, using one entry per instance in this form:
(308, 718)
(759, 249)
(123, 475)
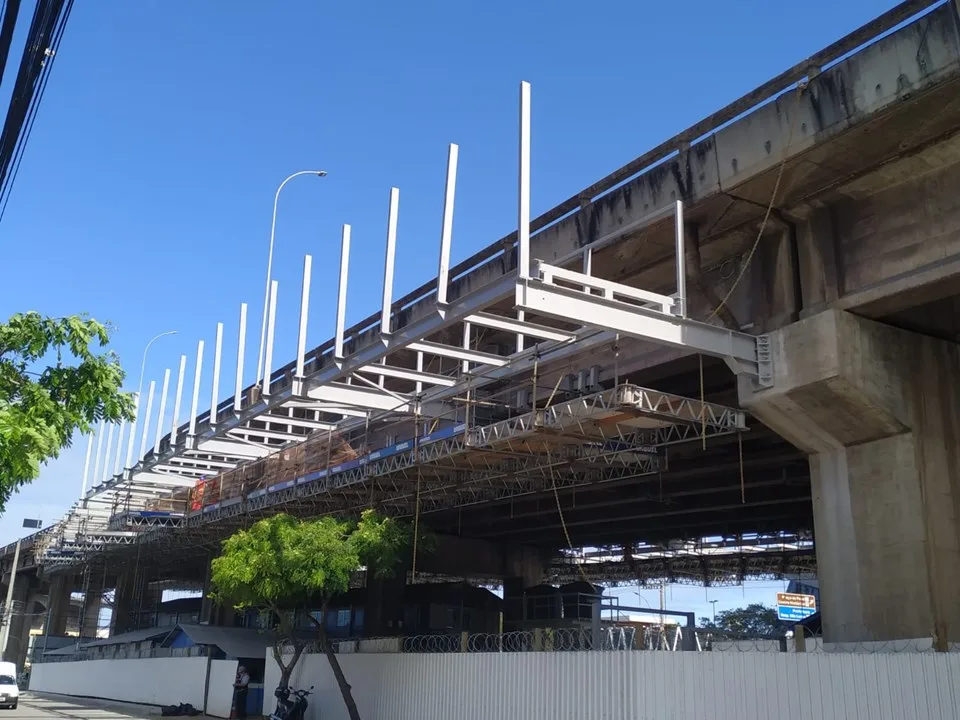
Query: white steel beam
(164, 389)
(145, 432)
(389, 261)
(229, 448)
(356, 397)
(86, 465)
(96, 463)
(644, 323)
(497, 322)
(323, 407)
(118, 462)
(215, 390)
(175, 470)
(176, 401)
(304, 310)
(342, 293)
(248, 432)
(681, 303)
(106, 454)
(241, 344)
(195, 402)
(449, 351)
(133, 430)
(446, 232)
(271, 328)
(407, 374)
(173, 481)
(523, 201)
(296, 422)
(202, 463)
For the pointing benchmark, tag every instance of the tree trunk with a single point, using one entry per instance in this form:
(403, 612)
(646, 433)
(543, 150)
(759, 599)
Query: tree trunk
(345, 690)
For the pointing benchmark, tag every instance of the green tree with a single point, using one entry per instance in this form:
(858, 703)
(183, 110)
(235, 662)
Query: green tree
(753, 621)
(283, 564)
(52, 384)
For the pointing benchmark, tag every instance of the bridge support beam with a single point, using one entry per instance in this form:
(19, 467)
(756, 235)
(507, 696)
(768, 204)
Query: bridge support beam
(61, 586)
(878, 412)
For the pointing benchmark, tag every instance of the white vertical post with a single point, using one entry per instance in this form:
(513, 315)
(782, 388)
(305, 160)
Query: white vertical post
(163, 410)
(241, 345)
(587, 261)
(196, 381)
(96, 463)
(145, 433)
(271, 328)
(521, 316)
(523, 220)
(118, 462)
(389, 262)
(86, 465)
(304, 311)
(342, 292)
(215, 390)
(176, 401)
(133, 431)
(681, 263)
(466, 345)
(419, 370)
(446, 232)
(106, 455)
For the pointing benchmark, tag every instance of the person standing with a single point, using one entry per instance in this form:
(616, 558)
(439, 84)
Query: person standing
(240, 688)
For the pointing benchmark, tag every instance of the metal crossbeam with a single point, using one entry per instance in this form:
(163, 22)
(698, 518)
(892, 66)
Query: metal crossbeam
(576, 301)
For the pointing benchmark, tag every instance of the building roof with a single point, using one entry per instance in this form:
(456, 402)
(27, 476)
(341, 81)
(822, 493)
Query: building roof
(235, 642)
(129, 637)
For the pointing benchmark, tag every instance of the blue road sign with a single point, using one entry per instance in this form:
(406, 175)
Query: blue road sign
(794, 614)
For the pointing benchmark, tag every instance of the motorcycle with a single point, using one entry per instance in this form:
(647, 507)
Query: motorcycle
(291, 704)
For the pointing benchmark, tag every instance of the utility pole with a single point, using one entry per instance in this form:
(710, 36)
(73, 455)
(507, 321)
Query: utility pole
(8, 604)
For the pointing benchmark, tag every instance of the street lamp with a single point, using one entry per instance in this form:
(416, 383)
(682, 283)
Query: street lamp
(136, 407)
(8, 604)
(266, 292)
(714, 603)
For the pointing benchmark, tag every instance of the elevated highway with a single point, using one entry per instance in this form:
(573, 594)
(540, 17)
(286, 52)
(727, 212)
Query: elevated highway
(583, 382)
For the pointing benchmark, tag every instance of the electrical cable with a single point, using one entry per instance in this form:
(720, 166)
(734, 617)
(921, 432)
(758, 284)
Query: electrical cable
(801, 86)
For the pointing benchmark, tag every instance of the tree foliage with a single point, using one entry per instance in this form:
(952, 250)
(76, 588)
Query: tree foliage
(753, 621)
(52, 384)
(282, 563)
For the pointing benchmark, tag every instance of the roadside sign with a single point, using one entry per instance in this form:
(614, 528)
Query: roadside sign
(795, 607)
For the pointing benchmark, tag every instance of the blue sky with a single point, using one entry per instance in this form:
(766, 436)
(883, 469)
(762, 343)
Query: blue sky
(145, 194)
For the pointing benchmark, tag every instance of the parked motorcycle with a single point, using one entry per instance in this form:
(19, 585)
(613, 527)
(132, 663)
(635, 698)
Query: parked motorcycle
(291, 704)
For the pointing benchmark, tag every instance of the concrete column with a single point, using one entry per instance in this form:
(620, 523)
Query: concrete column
(19, 620)
(523, 569)
(90, 611)
(383, 614)
(59, 598)
(878, 411)
(125, 606)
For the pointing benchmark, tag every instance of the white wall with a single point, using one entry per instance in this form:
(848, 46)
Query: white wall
(223, 673)
(634, 685)
(155, 681)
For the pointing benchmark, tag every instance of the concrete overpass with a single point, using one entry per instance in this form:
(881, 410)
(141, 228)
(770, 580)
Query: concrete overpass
(818, 232)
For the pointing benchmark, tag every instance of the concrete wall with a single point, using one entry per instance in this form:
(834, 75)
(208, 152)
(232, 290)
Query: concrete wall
(157, 681)
(633, 685)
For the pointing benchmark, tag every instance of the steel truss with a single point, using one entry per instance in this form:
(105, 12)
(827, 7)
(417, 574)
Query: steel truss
(419, 362)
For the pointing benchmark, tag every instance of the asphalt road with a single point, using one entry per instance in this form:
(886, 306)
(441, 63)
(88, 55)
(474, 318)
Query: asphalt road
(48, 707)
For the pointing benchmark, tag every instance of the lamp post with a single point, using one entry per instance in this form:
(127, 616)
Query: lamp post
(136, 407)
(8, 604)
(714, 603)
(266, 292)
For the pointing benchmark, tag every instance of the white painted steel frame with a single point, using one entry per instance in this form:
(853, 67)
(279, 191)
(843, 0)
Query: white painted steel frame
(226, 440)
